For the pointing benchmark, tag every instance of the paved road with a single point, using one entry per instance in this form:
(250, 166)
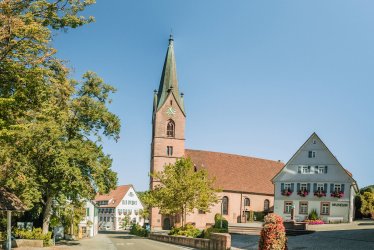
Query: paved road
(122, 240)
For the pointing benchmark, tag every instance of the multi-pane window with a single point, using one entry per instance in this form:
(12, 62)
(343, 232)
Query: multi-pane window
(287, 207)
(287, 186)
(303, 187)
(320, 187)
(312, 154)
(305, 169)
(321, 169)
(303, 207)
(225, 205)
(337, 187)
(170, 129)
(169, 150)
(325, 208)
(266, 205)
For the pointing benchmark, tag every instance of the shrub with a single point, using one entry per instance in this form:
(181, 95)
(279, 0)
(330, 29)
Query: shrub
(313, 215)
(217, 222)
(138, 230)
(35, 234)
(273, 235)
(314, 222)
(207, 232)
(2, 236)
(187, 230)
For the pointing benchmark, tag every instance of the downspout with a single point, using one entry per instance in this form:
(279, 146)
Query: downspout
(240, 209)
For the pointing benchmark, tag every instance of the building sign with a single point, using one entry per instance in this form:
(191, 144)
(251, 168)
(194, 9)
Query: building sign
(340, 204)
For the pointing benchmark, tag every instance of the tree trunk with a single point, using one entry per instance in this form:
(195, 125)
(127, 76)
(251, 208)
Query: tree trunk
(47, 214)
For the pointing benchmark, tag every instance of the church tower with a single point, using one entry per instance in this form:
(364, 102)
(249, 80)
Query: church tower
(168, 124)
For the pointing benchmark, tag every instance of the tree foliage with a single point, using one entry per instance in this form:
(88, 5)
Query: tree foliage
(182, 189)
(50, 125)
(367, 204)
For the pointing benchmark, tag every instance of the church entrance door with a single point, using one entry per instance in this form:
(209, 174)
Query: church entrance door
(166, 225)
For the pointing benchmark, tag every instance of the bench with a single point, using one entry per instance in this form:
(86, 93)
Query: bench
(335, 219)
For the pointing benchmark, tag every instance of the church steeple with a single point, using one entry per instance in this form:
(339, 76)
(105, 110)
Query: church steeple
(169, 80)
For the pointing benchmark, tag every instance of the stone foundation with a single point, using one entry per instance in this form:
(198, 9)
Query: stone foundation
(217, 241)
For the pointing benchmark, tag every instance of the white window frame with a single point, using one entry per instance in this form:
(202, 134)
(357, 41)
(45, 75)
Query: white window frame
(288, 207)
(321, 187)
(337, 187)
(303, 187)
(303, 206)
(287, 186)
(321, 169)
(305, 170)
(325, 208)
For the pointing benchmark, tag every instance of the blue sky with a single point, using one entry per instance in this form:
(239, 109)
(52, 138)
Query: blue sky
(258, 76)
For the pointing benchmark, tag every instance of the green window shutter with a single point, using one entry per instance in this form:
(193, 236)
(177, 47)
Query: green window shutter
(87, 212)
(292, 187)
(282, 187)
(299, 169)
(331, 187)
(308, 187)
(314, 187)
(298, 187)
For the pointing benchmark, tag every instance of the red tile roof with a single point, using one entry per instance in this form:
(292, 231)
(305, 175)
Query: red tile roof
(236, 172)
(114, 197)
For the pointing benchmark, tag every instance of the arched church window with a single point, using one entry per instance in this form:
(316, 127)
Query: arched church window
(225, 205)
(247, 202)
(266, 205)
(170, 129)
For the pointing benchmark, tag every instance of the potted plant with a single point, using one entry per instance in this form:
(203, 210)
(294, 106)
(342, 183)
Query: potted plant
(320, 193)
(337, 194)
(286, 192)
(303, 193)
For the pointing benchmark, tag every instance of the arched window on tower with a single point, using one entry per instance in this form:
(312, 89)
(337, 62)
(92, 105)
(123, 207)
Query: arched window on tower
(225, 205)
(170, 129)
(266, 205)
(247, 202)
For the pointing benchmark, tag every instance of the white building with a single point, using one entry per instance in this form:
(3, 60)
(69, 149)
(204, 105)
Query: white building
(116, 206)
(88, 227)
(314, 179)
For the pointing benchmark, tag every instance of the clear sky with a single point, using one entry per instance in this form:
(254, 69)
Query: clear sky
(258, 76)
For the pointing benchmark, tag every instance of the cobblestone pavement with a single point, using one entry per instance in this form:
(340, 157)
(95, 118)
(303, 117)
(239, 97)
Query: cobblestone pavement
(341, 238)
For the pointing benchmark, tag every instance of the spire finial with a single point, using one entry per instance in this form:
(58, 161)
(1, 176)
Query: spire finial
(171, 36)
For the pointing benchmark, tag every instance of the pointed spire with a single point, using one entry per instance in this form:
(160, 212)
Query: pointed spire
(169, 80)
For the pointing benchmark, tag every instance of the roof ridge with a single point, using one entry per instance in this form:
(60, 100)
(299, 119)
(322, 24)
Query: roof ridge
(244, 156)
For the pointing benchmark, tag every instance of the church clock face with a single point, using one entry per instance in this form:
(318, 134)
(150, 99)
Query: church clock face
(170, 111)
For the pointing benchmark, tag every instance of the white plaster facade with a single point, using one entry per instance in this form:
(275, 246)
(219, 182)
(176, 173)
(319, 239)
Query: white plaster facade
(90, 223)
(111, 217)
(315, 169)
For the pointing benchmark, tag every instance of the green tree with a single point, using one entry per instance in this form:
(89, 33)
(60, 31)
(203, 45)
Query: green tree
(182, 189)
(367, 204)
(50, 126)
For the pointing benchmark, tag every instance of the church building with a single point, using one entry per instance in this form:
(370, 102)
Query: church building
(245, 181)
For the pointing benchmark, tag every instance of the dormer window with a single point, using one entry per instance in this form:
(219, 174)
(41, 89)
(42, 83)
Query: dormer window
(170, 129)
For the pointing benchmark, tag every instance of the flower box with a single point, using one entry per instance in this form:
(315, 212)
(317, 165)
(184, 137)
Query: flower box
(337, 194)
(286, 192)
(314, 222)
(320, 194)
(303, 193)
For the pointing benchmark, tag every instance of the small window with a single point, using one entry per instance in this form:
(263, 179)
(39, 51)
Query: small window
(247, 202)
(321, 170)
(266, 205)
(287, 186)
(287, 207)
(201, 211)
(170, 129)
(303, 207)
(337, 187)
(320, 187)
(312, 154)
(225, 205)
(325, 208)
(169, 150)
(303, 187)
(314, 141)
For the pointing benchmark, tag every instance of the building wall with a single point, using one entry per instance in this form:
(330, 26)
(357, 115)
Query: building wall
(124, 204)
(91, 215)
(335, 174)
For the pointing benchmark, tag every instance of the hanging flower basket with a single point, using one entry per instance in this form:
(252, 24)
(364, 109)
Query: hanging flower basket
(320, 194)
(337, 194)
(303, 193)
